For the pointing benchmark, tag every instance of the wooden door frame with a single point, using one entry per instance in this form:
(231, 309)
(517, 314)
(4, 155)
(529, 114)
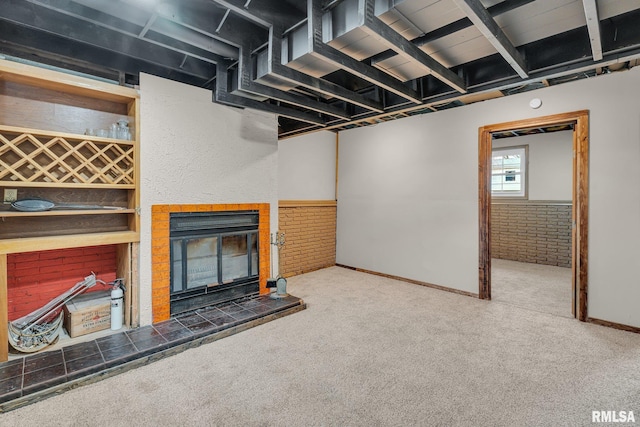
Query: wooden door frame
(580, 205)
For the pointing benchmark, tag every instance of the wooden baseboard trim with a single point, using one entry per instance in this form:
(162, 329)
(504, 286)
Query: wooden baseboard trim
(297, 273)
(614, 325)
(306, 203)
(414, 282)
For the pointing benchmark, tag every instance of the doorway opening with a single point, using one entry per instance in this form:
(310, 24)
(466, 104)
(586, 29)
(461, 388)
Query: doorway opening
(579, 120)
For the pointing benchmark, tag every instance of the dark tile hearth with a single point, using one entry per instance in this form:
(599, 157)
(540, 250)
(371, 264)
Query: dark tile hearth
(37, 376)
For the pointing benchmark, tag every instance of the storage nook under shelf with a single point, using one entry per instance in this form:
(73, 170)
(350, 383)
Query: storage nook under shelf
(46, 152)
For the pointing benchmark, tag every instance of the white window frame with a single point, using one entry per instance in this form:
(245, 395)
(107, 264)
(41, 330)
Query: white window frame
(523, 150)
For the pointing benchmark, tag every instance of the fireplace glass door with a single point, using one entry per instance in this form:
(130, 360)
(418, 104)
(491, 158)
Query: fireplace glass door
(202, 263)
(239, 256)
(213, 259)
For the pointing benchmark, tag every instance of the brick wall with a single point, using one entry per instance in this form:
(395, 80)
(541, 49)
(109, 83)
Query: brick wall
(310, 236)
(35, 278)
(532, 232)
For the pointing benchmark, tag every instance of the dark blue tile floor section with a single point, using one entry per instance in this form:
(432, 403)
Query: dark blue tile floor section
(34, 373)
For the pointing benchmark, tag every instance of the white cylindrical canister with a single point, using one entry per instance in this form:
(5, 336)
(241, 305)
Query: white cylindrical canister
(116, 308)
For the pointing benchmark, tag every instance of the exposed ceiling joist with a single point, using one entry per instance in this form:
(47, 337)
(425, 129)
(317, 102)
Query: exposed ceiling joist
(276, 68)
(148, 25)
(55, 22)
(404, 47)
(228, 27)
(593, 25)
(366, 72)
(571, 71)
(91, 27)
(152, 29)
(246, 83)
(483, 21)
(344, 77)
(325, 87)
(222, 96)
(238, 8)
(459, 25)
(264, 12)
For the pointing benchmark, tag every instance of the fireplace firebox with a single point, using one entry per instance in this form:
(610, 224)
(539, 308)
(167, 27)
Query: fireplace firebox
(214, 258)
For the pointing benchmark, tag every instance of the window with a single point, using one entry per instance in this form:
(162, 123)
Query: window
(509, 172)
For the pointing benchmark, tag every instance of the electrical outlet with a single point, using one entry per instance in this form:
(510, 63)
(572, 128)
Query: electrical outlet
(10, 195)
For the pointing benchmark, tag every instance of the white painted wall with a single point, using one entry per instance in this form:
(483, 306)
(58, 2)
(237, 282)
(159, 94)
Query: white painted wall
(550, 171)
(408, 191)
(307, 167)
(195, 151)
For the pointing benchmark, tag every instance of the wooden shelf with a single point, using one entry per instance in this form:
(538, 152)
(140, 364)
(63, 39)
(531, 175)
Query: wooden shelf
(54, 80)
(19, 184)
(61, 163)
(35, 157)
(30, 244)
(69, 212)
(66, 135)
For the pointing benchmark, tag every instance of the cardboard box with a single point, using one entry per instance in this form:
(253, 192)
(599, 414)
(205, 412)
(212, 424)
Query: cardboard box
(88, 313)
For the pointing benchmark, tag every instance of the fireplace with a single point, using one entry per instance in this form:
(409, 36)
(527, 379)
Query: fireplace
(214, 258)
(241, 253)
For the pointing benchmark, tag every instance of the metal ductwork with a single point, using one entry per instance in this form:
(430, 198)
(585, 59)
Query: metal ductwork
(330, 64)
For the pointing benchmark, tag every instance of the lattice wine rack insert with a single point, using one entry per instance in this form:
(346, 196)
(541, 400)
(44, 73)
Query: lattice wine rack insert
(39, 157)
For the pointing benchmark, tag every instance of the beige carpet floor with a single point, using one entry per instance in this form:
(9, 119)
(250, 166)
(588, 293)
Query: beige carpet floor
(371, 351)
(543, 288)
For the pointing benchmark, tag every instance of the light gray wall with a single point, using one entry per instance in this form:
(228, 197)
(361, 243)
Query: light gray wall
(408, 191)
(195, 151)
(307, 167)
(550, 164)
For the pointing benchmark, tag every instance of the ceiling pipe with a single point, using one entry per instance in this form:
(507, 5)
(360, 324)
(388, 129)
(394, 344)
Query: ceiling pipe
(222, 21)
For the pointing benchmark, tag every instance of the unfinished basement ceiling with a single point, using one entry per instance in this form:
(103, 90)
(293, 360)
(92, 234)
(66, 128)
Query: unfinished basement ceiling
(331, 64)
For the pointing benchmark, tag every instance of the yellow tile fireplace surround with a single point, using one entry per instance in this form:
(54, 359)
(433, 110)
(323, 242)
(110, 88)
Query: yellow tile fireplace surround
(160, 252)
